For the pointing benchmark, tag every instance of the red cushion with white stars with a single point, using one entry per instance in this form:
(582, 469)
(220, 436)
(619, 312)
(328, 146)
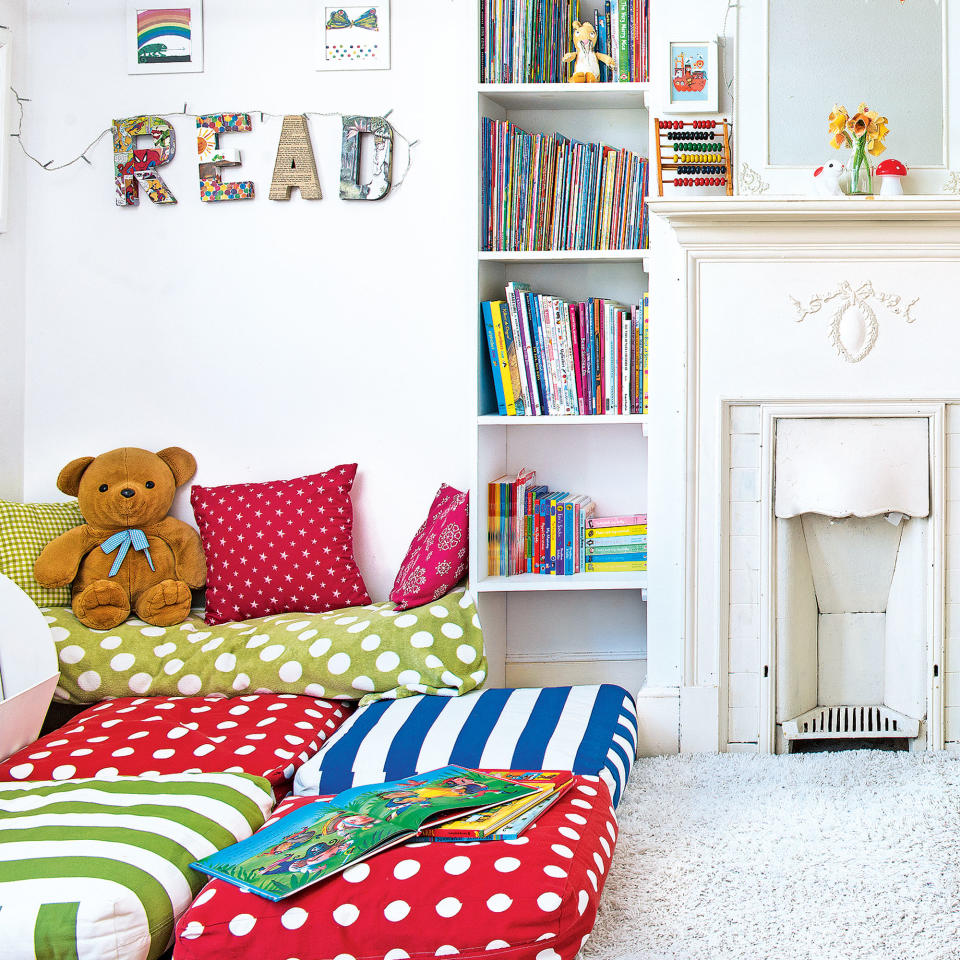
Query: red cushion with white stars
(266, 734)
(279, 547)
(535, 897)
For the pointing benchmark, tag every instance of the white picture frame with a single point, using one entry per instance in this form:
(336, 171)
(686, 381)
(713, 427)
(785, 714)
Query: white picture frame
(692, 81)
(6, 122)
(174, 25)
(352, 35)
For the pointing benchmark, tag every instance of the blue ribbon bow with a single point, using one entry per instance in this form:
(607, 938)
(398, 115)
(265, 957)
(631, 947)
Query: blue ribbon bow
(124, 540)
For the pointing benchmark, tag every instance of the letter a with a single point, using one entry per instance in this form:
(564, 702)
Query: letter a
(295, 166)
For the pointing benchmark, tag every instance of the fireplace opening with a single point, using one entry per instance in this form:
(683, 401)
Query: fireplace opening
(852, 564)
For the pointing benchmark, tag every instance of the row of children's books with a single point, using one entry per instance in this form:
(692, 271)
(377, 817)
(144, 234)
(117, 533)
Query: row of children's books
(321, 838)
(547, 192)
(556, 357)
(533, 529)
(524, 41)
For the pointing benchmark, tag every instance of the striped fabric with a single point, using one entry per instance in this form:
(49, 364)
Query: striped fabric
(91, 870)
(588, 729)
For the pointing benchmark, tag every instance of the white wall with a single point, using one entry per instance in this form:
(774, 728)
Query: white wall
(12, 251)
(272, 339)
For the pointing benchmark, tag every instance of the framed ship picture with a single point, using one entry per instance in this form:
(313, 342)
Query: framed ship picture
(693, 77)
(164, 36)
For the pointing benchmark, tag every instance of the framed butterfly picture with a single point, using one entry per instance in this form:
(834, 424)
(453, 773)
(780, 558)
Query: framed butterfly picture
(353, 37)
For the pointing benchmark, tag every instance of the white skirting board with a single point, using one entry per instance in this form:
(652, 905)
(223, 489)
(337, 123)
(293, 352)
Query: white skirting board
(658, 719)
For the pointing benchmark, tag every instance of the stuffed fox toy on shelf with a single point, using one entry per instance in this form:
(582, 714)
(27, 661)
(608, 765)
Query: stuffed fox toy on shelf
(587, 66)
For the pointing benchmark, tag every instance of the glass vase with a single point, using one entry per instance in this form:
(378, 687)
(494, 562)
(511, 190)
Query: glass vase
(861, 174)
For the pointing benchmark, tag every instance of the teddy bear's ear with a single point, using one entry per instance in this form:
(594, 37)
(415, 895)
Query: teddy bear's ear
(576, 24)
(68, 481)
(181, 463)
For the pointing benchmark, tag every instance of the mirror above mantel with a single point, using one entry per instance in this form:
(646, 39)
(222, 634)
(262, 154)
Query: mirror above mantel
(797, 58)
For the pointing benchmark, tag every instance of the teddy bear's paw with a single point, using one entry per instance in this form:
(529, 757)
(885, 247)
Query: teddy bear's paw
(102, 605)
(165, 603)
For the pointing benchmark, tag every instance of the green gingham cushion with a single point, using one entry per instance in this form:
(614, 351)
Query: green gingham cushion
(25, 529)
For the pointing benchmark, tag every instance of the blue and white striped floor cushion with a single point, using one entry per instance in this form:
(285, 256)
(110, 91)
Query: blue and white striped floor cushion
(586, 729)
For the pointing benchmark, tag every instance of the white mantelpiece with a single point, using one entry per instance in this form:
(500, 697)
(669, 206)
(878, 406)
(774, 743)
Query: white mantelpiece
(752, 318)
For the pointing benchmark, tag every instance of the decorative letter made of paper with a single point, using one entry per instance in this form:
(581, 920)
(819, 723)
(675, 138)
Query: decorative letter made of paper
(379, 186)
(295, 166)
(212, 158)
(131, 165)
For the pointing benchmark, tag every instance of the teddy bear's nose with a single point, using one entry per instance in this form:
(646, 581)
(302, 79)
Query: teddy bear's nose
(127, 492)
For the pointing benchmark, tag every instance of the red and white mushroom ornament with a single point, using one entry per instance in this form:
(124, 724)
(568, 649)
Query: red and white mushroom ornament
(890, 172)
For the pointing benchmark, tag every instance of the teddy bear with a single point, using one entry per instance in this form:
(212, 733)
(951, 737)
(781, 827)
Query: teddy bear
(129, 553)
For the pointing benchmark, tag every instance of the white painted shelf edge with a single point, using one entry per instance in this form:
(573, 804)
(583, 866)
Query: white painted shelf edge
(566, 96)
(534, 582)
(610, 419)
(565, 256)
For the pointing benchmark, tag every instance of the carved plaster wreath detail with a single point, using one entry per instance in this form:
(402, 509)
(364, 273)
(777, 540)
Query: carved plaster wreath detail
(854, 327)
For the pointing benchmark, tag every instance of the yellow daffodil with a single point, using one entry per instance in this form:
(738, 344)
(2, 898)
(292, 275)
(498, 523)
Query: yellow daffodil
(858, 124)
(837, 127)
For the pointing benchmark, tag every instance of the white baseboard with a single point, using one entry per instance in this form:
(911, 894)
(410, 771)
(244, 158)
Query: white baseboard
(658, 715)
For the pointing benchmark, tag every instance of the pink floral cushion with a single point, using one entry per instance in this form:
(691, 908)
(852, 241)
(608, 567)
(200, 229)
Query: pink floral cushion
(437, 558)
(279, 547)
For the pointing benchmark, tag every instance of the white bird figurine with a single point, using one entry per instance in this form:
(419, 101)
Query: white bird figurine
(827, 179)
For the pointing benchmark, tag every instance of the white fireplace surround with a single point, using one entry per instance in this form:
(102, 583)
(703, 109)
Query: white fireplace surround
(786, 309)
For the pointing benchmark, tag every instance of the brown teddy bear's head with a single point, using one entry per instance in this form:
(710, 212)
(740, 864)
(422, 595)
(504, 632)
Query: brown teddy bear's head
(128, 487)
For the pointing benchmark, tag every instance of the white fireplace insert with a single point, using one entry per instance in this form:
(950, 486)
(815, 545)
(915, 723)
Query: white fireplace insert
(851, 525)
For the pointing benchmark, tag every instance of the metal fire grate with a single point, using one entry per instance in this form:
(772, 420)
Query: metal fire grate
(825, 723)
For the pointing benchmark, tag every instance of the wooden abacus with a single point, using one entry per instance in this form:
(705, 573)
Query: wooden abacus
(696, 151)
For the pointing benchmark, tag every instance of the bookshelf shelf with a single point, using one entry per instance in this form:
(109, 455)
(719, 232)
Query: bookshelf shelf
(616, 419)
(564, 256)
(535, 582)
(566, 96)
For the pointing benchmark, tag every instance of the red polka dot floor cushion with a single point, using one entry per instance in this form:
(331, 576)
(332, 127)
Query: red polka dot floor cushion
(270, 735)
(535, 897)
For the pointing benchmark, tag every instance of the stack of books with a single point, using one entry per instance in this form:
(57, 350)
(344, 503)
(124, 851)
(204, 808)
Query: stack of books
(509, 820)
(523, 41)
(615, 544)
(555, 357)
(533, 529)
(547, 192)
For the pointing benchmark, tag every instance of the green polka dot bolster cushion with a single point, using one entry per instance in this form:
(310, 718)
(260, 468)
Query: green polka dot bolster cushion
(25, 529)
(367, 653)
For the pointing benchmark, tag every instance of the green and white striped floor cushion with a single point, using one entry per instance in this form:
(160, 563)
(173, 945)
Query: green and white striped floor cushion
(96, 869)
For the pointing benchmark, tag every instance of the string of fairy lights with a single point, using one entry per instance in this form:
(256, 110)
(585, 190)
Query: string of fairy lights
(50, 166)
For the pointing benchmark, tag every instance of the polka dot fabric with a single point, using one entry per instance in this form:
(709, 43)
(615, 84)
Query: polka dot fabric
(364, 653)
(437, 558)
(279, 547)
(534, 898)
(267, 735)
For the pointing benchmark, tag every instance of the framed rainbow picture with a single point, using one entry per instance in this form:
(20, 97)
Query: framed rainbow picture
(164, 36)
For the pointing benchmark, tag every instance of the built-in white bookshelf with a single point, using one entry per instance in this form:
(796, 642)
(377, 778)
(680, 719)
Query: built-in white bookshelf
(588, 627)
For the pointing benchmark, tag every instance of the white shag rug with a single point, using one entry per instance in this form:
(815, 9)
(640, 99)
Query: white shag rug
(829, 856)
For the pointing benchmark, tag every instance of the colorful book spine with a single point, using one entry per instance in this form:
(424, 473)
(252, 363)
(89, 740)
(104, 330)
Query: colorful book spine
(494, 352)
(628, 530)
(617, 558)
(621, 521)
(646, 353)
(601, 548)
(617, 543)
(618, 567)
